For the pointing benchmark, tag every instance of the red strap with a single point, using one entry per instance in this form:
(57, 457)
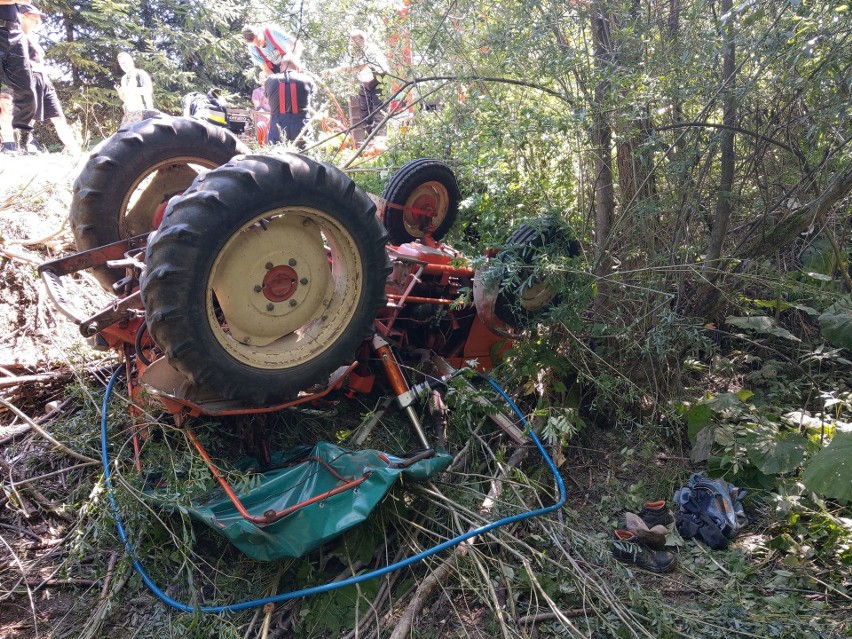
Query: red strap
(294, 100)
(265, 59)
(268, 34)
(282, 103)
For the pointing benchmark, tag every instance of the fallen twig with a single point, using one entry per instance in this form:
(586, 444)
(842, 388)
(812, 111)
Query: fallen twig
(17, 380)
(46, 435)
(549, 616)
(61, 471)
(24, 531)
(108, 577)
(23, 576)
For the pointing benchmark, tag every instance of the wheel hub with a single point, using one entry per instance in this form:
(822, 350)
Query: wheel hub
(423, 209)
(426, 207)
(280, 283)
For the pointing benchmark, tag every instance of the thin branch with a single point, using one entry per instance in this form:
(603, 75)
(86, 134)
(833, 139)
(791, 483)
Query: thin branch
(729, 127)
(46, 435)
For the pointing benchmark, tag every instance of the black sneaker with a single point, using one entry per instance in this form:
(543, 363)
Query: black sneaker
(655, 513)
(627, 549)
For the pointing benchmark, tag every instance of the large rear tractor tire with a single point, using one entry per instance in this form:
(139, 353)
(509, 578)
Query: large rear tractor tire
(264, 277)
(132, 173)
(423, 194)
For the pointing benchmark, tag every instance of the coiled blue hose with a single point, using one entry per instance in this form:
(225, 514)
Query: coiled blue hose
(315, 590)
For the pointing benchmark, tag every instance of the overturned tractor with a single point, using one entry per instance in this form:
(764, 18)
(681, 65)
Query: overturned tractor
(247, 283)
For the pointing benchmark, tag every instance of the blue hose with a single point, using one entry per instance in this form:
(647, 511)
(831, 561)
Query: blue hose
(315, 590)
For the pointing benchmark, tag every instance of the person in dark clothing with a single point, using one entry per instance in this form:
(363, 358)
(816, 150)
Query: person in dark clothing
(370, 65)
(14, 60)
(48, 106)
(289, 95)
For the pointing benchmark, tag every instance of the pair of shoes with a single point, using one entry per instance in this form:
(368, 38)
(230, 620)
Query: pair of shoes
(651, 524)
(627, 548)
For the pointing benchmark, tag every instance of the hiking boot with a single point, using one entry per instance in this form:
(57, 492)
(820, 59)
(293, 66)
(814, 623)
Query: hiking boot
(655, 513)
(9, 147)
(653, 537)
(33, 145)
(627, 549)
(26, 141)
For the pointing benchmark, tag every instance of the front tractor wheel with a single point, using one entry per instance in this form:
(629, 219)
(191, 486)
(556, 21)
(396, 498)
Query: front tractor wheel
(422, 197)
(264, 277)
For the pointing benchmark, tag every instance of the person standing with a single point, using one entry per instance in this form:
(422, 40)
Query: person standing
(136, 89)
(269, 47)
(289, 94)
(370, 65)
(14, 62)
(48, 106)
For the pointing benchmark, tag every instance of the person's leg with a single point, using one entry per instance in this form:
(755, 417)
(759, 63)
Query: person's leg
(16, 70)
(274, 133)
(366, 119)
(51, 109)
(374, 103)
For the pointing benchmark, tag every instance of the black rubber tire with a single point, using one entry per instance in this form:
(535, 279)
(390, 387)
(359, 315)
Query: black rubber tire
(513, 304)
(103, 191)
(203, 237)
(403, 186)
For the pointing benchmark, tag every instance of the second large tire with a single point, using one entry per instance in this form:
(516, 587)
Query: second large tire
(525, 296)
(264, 277)
(134, 171)
(421, 194)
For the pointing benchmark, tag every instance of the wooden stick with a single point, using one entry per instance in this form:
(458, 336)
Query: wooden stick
(17, 380)
(548, 616)
(46, 435)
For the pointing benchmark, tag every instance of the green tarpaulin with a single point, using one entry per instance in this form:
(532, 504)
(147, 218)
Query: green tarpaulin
(299, 475)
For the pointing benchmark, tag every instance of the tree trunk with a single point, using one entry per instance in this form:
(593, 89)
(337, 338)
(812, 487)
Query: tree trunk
(707, 296)
(602, 143)
(768, 235)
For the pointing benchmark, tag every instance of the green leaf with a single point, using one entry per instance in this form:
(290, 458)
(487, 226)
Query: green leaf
(772, 452)
(744, 395)
(697, 418)
(829, 472)
(703, 444)
(724, 401)
(762, 324)
(836, 323)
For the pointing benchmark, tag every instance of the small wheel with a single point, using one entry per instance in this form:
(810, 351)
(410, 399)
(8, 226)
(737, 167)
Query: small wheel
(265, 276)
(525, 296)
(422, 195)
(134, 172)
